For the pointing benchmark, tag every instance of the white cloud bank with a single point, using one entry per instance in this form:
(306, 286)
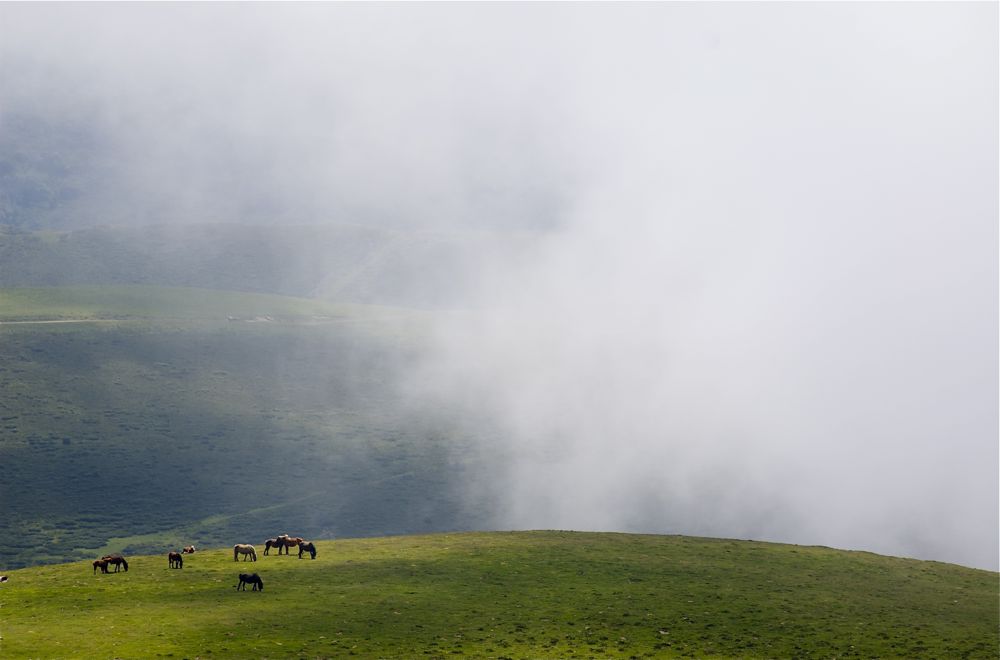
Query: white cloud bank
(766, 301)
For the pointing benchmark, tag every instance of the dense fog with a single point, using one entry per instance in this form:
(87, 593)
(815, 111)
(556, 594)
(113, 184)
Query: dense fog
(744, 281)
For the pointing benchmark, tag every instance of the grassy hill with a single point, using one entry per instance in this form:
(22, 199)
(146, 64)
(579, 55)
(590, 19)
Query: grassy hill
(155, 415)
(513, 595)
(341, 262)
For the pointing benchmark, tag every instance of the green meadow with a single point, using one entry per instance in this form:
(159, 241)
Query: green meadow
(162, 303)
(509, 595)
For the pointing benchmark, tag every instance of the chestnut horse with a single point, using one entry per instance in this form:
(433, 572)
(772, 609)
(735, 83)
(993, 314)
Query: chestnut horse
(117, 560)
(289, 542)
(101, 564)
(189, 550)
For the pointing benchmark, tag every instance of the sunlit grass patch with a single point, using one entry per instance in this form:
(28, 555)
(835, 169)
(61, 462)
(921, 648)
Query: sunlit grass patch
(517, 595)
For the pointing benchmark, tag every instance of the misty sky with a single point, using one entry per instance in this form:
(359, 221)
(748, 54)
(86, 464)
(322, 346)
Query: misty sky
(762, 301)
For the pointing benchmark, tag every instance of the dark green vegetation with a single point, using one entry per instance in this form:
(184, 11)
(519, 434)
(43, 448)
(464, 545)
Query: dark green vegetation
(158, 416)
(514, 595)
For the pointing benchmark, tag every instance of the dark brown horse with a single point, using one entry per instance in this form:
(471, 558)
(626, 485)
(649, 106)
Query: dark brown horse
(101, 564)
(307, 546)
(272, 543)
(250, 578)
(117, 561)
(175, 560)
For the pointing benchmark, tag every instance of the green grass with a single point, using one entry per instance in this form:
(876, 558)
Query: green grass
(513, 595)
(159, 302)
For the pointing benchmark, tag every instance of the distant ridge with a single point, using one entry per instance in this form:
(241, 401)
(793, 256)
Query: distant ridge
(342, 262)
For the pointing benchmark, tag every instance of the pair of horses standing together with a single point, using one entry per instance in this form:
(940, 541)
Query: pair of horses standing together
(110, 560)
(284, 542)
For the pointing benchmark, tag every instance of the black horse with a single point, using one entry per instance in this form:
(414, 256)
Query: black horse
(175, 560)
(250, 578)
(307, 546)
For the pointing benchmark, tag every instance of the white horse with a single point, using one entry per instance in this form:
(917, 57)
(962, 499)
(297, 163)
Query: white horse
(244, 549)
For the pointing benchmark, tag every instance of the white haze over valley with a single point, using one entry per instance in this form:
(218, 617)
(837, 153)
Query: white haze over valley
(759, 294)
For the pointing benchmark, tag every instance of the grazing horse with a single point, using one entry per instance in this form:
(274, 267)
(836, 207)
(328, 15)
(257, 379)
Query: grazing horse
(117, 560)
(250, 578)
(272, 543)
(101, 564)
(289, 542)
(175, 560)
(244, 549)
(307, 546)
(189, 550)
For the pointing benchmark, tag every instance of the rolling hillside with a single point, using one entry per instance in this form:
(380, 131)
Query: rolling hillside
(337, 262)
(157, 415)
(509, 595)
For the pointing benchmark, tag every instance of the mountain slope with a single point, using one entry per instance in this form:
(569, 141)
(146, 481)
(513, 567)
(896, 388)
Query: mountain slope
(160, 414)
